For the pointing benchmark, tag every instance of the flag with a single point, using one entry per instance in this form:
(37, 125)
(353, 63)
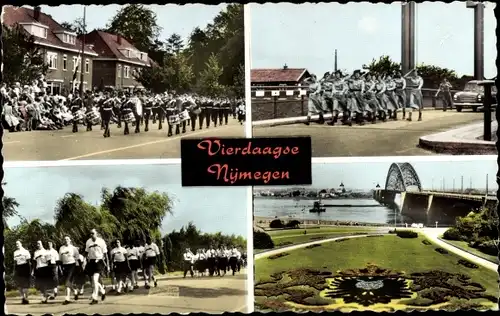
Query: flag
(75, 73)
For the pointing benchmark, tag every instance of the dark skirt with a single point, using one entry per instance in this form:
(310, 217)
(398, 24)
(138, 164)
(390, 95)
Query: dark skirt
(22, 276)
(94, 266)
(149, 261)
(134, 264)
(233, 262)
(68, 274)
(44, 278)
(121, 269)
(79, 276)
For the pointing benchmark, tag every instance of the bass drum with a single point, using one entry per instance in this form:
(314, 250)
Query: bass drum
(184, 116)
(197, 111)
(174, 119)
(129, 118)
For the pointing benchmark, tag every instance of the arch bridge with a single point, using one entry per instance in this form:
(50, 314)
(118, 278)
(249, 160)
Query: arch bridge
(404, 192)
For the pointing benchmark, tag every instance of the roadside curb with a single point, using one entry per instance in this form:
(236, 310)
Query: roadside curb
(303, 119)
(458, 140)
(464, 249)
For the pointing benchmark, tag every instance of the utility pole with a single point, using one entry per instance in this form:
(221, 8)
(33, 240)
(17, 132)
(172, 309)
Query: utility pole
(335, 62)
(462, 184)
(82, 63)
(486, 184)
(453, 188)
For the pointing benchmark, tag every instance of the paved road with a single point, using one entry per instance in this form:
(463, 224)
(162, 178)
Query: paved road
(394, 138)
(209, 295)
(434, 233)
(65, 145)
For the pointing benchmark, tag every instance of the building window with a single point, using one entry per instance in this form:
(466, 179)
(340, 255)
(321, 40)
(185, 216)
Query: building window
(52, 60)
(76, 63)
(119, 71)
(65, 62)
(87, 66)
(126, 71)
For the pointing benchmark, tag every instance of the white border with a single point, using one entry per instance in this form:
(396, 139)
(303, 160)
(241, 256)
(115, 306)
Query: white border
(248, 67)
(75, 163)
(248, 133)
(431, 158)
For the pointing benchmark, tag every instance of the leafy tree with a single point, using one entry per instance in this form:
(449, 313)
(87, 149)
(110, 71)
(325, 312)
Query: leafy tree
(239, 82)
(78, 26)
(174, 44)
(136, 23)
(154, 78)
(434, 75)
(262, 240)
(26, 60)
(209, 78)
(140, 211)
(384, 65)
(178, 73)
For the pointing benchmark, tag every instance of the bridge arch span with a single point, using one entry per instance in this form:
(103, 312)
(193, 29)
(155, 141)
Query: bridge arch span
(402, 177)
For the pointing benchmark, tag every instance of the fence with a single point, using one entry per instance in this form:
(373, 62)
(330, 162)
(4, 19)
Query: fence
(272, 102)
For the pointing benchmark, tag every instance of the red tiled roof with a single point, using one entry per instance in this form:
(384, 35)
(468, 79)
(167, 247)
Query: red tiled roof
(108, 45)
(277, 75)
(13, 15)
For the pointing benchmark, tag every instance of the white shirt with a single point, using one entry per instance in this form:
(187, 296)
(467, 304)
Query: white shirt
(21, 256)
(151, 250)
(140, 251)
(96, 249)
(235, 253)
(42, 258)
(201, 256)
(82, 260)
(188, 256)
(68, 254)
(118, 254)
(54, 256)
(133, 253)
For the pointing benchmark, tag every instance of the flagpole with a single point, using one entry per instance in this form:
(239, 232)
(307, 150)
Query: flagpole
(83, 53)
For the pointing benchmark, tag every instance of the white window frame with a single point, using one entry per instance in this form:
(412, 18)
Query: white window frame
(87, 65)
(119, 71)
(76, 61)
(52, 60)
(72, 39)
(126, 72)
(65, 63)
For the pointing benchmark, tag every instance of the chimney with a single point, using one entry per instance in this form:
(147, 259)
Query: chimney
(285, 67)
(119, 39)
(36, 13)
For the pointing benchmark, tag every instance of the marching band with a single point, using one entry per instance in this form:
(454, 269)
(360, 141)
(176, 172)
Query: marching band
(364, 97)
(31, 108)
(74, 266)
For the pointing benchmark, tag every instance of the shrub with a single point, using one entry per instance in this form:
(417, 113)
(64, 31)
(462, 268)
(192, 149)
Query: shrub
(285, 243)
(278, 255)
(452, 234)
(293, 224)
(313, 246)
(262, 240)
(442, 251)
(468, 264)
(406, 234)
(489, 247)
(393, 231)
(276, 223)
(426, 242)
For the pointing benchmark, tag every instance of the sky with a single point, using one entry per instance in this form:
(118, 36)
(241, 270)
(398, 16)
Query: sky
(170, 17)
(430, 173)
(306, 35)
(210, 209)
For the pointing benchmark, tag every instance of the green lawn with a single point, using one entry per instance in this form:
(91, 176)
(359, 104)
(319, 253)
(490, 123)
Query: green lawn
(297, 236)
(465, 246)
(403, 255)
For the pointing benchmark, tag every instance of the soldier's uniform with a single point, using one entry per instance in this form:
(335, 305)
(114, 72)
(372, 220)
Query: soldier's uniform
(76, 105)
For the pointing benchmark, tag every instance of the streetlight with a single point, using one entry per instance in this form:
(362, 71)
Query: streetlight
(478, 37)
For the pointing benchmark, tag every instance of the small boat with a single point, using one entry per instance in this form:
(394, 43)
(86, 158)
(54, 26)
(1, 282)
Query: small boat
(317, 208)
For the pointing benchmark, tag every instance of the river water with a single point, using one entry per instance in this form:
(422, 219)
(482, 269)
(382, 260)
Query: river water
(299, 209)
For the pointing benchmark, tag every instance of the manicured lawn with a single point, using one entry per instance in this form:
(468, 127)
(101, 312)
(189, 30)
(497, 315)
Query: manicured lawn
(464, 246)
(403, 255)
(297, 236)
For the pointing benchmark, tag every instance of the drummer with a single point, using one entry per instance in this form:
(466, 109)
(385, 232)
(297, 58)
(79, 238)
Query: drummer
(88, 103)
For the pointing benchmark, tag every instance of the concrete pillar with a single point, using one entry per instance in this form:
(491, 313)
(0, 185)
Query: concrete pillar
(429, 203)
(478, 38)
(403, 199)
(407, 36)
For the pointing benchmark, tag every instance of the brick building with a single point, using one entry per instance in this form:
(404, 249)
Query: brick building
(61, 47)
(117, 62)
(278, 76)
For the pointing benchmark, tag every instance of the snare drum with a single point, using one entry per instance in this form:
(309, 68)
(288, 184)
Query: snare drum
(184, 116)
(129, 117)
(94, 118)
(174, 119)
(197, 111)
(79, 117)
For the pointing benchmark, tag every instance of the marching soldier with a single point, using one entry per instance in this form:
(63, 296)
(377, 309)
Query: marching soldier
(89, 110)
(188, 262)
(76, 105)
(415, 99)
(107, 107)
(400, 93)
(226, 107)
(148, 105)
